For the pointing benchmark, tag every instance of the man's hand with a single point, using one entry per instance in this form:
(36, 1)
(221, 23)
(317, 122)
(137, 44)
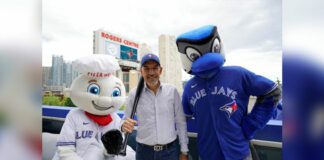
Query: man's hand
(183, 157)
(128, 125)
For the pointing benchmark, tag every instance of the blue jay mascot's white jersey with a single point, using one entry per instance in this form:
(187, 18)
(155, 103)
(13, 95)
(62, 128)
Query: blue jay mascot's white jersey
(91, 131)
(217, 96)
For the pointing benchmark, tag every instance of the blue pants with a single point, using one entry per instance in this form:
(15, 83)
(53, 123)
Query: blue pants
(144, 152)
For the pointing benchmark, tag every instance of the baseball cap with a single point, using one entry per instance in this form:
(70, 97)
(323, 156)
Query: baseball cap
(150, 57)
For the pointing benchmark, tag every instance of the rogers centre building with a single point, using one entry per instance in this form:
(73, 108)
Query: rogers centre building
(125, 50)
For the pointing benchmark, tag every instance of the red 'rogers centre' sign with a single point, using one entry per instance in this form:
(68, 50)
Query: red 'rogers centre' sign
(119, 39)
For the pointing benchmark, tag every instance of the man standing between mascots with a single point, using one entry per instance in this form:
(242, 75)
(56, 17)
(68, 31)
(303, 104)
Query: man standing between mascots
(159, 110)
(217, 96)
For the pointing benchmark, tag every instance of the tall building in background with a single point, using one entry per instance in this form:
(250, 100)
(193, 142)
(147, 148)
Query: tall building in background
(59, 76)
(68, 74)
(46, 76)
(125, 50)
(57, 70)
(75, 74)
(105, 42)
(170, 61)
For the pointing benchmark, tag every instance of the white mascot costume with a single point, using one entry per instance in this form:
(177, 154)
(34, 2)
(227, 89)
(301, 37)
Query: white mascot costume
(98, 94)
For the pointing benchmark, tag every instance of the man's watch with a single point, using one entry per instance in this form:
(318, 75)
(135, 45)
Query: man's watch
(184, 153)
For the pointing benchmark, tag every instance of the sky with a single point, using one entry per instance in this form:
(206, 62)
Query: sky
(251, 30)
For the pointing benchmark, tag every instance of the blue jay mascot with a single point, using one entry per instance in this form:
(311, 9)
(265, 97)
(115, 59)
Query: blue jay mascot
(217, 96)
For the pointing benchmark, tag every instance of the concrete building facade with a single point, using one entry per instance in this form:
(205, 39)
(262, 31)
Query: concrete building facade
(127, 52)
(170, 61)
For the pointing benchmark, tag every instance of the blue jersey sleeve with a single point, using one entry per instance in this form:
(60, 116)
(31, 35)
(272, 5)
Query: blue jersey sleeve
(262, 112)
(256, 85)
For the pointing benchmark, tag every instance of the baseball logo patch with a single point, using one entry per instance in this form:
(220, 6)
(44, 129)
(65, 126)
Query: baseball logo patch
(229, 108)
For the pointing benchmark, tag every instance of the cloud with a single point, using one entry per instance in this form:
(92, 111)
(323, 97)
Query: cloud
(46, 37)
(253, 25)
(268, 64)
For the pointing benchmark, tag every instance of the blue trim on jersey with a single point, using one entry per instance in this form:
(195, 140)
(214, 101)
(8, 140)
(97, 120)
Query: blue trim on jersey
(65, 143)
(198, 34)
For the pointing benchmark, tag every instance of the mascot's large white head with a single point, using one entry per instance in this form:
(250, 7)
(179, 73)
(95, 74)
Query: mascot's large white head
(97, 90)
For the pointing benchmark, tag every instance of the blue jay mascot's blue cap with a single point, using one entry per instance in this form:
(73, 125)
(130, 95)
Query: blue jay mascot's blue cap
(201, 51)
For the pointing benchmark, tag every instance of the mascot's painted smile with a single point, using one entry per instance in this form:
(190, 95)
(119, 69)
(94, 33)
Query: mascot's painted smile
(99, 107)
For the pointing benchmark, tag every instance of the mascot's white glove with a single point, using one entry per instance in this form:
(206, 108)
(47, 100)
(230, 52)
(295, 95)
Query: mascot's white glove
(67, 153)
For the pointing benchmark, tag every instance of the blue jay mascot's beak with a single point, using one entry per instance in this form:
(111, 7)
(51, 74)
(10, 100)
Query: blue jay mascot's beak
(201, 51)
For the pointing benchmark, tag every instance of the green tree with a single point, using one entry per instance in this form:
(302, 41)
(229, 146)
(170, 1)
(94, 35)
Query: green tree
(68, 102)
(55, 101)
(51, 100)
(278, 81)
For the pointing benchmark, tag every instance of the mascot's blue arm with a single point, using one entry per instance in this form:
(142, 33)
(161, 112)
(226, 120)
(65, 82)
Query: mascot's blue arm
(261, 113)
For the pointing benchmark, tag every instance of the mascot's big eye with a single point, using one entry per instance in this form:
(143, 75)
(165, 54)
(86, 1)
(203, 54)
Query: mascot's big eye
(216, 46)
(192, 54)
(116, 92)
(94, 89)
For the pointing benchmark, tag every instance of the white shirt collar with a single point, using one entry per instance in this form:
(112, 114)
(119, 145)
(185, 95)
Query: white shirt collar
(146, 88)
